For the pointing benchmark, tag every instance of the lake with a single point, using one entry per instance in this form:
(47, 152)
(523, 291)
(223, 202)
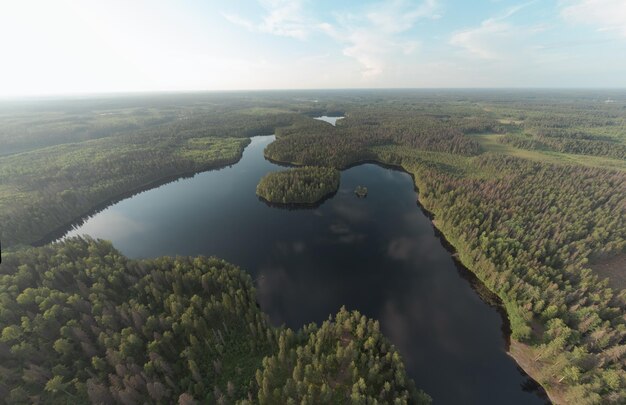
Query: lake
(331, 120)
(379, 255)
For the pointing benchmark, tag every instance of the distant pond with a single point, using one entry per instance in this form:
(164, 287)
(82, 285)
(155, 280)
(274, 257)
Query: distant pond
(379, 255)
(331, 120)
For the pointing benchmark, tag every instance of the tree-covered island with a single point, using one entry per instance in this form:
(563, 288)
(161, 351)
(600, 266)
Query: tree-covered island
(301, 185)
(528, 187)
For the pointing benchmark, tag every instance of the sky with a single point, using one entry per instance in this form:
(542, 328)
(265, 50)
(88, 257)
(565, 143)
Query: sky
(96, 46)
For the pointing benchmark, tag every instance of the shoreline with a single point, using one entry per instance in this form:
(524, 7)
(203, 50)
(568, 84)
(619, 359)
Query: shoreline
(298, 206)
(518, 351)
(515, 349)
(80, 219)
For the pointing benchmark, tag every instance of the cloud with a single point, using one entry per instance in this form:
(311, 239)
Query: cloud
(481, 41)
(399, 15)
(607, 15)
(367, 47)
(494, 38)
(369, 35)
(374, 35)
(283, 18)
(238, 20)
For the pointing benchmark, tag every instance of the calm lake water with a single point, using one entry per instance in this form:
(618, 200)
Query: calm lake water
(331, 120)
(379, 255)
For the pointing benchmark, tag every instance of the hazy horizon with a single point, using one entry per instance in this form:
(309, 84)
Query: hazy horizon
(89, 47)
(139, 93)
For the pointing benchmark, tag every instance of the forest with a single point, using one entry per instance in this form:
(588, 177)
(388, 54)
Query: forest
(80, 322)
(56, 179)
(565, 144)
(530, 230)
(302, 185)
(528, 219)
(313, 143)
(45, 189)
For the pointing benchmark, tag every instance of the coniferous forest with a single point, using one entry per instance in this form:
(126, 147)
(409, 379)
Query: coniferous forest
(82, 323)
(301, 185)
(528, 186)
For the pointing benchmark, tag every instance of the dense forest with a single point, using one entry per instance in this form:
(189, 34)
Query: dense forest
(45, 189)
(530, 221)
(528, 229)
(301, 185)
(314, 143)
(81, 323)
(30, 125)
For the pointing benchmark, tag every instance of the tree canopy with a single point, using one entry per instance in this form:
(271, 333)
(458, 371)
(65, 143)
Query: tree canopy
(302, 185)
(80, 322)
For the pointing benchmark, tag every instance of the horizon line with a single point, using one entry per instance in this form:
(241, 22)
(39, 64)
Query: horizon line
(127, 93)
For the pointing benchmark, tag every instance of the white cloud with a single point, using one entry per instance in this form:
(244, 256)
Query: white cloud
(484, 41)
(400, 15)
(607, 15)
(368, 49)
(239, 20)
(494, 38)
(373, 37)
(368, 36)
(283, 18)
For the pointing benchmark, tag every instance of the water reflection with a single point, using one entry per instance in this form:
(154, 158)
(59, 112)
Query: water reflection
(379, 255)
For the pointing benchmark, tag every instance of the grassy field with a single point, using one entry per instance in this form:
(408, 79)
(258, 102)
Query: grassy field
(491, 143)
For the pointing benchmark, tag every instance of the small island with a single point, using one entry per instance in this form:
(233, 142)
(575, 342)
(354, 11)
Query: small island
(299, 186)
(360, 191)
